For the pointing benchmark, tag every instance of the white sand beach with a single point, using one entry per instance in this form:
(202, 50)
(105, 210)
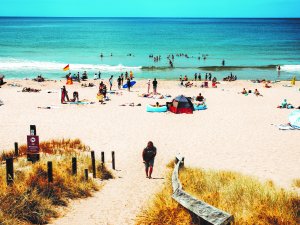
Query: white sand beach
(234, 133)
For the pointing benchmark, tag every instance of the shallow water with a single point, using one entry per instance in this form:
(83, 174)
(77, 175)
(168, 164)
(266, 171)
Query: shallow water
(251, 48)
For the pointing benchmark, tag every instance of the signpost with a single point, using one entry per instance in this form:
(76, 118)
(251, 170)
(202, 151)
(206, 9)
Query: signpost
(33, 148)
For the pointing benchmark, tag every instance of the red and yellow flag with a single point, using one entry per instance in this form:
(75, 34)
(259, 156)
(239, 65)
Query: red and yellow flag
(67, 67)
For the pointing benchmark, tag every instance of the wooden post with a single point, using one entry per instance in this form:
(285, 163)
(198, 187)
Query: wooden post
(86, 174)
(50, 172)
(102, 157)
(74, 166)
(16, 149)
(182, 162)
(93, 164)
(9, 171)
(113, 160)
(32, 130)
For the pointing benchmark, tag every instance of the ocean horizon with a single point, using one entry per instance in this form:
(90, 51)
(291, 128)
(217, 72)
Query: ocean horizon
(251, 48)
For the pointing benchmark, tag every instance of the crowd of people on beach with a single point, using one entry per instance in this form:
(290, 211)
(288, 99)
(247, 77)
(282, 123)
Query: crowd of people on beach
(231, 77)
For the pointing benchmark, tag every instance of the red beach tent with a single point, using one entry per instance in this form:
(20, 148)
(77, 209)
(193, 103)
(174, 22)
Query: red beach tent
(181, 104)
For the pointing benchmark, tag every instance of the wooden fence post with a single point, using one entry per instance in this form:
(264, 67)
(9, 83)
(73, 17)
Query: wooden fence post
(50, 171)
(9, 171)
(32, 130)
(74, 166)
(16, 149)
(102, 157)
(93, 164)
(113, 160)
(86, 174)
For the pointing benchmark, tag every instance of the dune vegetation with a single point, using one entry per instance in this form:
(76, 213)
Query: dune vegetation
(31, 199)
(246, 198)
(296, 183)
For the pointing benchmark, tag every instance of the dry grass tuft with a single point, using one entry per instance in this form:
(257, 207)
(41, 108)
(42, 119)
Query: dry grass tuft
(103, 173)
(32, 199)
(54, 146)
(171, 164)
(296, 183)
(244, 197)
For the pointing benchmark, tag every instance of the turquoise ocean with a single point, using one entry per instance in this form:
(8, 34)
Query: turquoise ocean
(251, 48)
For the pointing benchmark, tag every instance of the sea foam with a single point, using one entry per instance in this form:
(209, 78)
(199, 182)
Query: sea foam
(290, 68)
(17, 64)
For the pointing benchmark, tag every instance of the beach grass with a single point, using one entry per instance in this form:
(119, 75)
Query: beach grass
(55, 146)
(31, 199)
(296, 183)
(246, 198)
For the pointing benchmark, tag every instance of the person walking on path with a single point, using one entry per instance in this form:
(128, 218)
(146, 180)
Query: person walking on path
(154, 83)
(149, 154)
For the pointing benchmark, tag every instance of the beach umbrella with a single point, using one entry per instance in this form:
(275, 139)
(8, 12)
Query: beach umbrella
(294, 119)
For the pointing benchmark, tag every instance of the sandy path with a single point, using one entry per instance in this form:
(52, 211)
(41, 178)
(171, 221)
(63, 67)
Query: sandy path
(118, 202)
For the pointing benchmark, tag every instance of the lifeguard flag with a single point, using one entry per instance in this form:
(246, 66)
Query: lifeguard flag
(67, 67)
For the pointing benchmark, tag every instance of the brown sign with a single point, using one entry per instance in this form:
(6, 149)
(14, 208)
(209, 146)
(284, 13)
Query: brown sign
(33, 144)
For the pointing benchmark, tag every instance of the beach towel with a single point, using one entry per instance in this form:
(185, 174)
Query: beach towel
(48, 107)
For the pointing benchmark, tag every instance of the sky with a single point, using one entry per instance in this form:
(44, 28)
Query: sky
(151, 8)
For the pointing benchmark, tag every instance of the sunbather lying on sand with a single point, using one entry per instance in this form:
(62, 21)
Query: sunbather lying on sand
(27, 89)
(88, 85)
(48, 107)
(188, 84)
(131, 104)
(157, 105)
(267, 85)
(244, 91)
(256, 92)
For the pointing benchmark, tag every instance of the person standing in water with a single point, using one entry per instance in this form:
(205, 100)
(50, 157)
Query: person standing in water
(149, 154)
(223, 62)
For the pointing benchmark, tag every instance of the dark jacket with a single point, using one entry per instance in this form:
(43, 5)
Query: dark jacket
(149, 154)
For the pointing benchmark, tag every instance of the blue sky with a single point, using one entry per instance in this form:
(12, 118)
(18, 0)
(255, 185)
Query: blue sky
(152, 8)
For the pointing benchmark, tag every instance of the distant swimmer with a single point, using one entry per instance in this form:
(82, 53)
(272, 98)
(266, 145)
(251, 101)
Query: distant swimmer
(278, 68)
(223, 62)
(101, 55)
